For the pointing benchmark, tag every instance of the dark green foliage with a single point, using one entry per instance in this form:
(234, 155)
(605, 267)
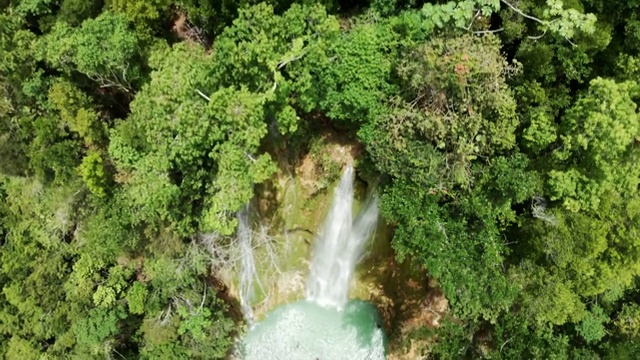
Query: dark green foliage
(454, 340)
(505, 134)
(446, 116)
(626, 350)
(105, 49)
(76, 11)
(358, 74)
(463, 232)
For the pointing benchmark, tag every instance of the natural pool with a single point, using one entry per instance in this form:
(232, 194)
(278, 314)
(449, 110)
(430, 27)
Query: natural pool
(304, 330)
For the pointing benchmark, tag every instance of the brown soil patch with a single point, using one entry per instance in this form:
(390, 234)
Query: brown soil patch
(427, 311)
(186, 31)
(179, 25)
(307, 173)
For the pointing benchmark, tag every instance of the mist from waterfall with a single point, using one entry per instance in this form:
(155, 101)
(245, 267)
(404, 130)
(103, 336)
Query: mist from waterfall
(340, 246)
(247, 266)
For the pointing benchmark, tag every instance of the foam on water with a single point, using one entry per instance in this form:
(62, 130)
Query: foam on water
(305, 330)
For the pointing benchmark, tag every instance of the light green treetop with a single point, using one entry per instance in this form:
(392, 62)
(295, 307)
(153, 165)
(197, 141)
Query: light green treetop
(598, 134)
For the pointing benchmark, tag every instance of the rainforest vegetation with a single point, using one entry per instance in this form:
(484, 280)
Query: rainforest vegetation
(504, 134)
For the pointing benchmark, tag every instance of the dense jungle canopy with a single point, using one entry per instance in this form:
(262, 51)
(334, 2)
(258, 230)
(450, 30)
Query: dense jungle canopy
(505, 136)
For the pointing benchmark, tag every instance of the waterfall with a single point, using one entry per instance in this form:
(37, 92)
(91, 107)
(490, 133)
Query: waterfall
(325, 325)
(248, 265)
(340, 246)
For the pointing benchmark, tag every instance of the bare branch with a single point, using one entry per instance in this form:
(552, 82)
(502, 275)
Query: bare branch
(203, 95)
(505, 343)
(282, 64)
(250, 157)
(538, 210)
(167, 316)
(537, 37)
(481, 32)
(521, 13)
(473, 20)
(570, 42)
(204, 296)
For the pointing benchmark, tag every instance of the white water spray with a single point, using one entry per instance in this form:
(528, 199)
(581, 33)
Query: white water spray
(248, 265)
(340, 246)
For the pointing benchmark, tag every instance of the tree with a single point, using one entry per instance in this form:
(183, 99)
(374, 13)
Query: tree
(463, 233)
(591, 328)
(105, 49)
(93, 173)
(598, 135)
(277, 54)
(144, 14)
(15, 69)
(77, 113)
(34, 261)
(628, 321)
(455, 106)
(358, 74)
(75, 12)
(191, 146)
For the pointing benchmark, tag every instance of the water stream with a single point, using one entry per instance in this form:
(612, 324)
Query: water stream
(248, 264)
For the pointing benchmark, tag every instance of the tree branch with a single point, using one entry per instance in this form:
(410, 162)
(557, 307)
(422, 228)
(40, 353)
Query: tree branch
(481, 32)
(468, 28)
(203, 95)
(522, 13)
(204, 296)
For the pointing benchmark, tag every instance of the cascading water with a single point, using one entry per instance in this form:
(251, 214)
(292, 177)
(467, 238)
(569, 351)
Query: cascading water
(340, 246)
(326, 326)
(248, 265)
